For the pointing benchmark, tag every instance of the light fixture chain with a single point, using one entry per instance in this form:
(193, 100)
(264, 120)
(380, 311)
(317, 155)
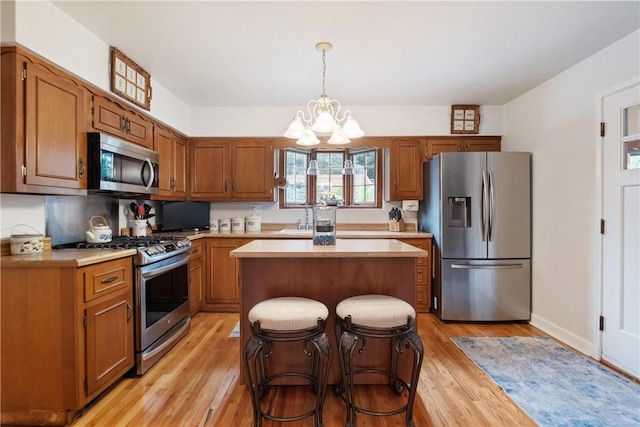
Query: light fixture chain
(324, 70)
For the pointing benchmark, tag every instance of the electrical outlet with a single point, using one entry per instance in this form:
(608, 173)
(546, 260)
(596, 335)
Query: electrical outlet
(255, 210)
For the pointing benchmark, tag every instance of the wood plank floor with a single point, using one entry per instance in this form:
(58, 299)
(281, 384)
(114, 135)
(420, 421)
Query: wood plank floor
(196, 384)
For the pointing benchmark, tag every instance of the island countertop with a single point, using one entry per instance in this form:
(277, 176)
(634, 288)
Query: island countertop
(344, 248)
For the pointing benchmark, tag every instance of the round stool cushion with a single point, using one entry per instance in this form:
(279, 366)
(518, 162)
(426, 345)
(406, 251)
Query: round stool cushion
(288, 313)
(376, 311)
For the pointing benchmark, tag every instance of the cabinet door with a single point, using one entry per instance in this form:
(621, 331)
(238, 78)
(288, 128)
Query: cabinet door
(196, 292)
(162, 144)
(54, 130)
(180, 168)
(110, 117)
(404, 170)
(208, 161)
(109, 340)
(222, 290)
(139, 130)
(484, 144)
(252, 170)
(437, 146)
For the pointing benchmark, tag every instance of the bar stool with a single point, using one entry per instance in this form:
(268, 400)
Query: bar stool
(281, 320)
(377, 316)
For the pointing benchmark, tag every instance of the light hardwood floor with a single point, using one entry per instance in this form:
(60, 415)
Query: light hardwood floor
(196, 384)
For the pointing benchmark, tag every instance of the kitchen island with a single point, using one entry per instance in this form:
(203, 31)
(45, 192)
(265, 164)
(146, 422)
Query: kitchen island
(276, 268)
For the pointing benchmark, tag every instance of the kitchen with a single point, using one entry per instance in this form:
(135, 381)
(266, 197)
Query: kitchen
(565, 302)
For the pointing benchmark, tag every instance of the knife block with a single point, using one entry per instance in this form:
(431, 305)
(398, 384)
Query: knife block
(396, 225)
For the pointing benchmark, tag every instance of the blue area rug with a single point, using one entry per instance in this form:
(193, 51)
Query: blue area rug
(554, 385)
(235, 333)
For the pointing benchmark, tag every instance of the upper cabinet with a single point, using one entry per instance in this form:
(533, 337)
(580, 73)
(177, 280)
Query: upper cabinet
(110, 117)
(228, 169)
(43, 122)
(403, 170)
(446, 144)
(172, 171)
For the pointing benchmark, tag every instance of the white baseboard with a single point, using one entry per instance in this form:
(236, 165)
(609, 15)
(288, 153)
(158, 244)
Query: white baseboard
(569, 338)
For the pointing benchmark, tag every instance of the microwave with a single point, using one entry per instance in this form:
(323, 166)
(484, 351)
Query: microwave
(119, 167)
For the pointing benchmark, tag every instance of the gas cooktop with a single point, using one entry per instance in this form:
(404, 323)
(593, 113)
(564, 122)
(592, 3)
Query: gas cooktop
(122, 242)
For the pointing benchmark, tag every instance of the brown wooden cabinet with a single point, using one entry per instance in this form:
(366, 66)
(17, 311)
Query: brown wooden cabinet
(445, 144)
(196, 274)
(230, 169)
(172, 170)
(111, 117)
(423, 284)
(403, 170)
(43, 125)
(223, 289)
(67, 335)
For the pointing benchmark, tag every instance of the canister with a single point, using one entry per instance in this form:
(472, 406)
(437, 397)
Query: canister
(225, 225)
(237, 224)
(213, 226)
(254, 223)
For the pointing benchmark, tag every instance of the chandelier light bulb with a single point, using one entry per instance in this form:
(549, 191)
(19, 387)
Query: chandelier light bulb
(338, 137)
(296, 129)
(308, 138)
(352, 129)
(325, 122)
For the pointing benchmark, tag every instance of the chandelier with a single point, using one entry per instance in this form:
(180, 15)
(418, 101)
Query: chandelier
(324, 116)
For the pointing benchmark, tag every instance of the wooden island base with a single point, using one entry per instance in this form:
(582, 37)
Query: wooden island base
(327, 274)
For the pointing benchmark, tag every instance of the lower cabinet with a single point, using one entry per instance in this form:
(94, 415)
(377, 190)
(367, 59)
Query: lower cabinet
(196, 272)
(423, 280)
(223, 289)
(67, 335)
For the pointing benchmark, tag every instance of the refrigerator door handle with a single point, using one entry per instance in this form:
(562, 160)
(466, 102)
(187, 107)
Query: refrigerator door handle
(485, 206)
(486, 267)
(492, 209)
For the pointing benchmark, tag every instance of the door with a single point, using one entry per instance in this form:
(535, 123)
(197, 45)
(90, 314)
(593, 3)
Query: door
(476, 290)
(621, 238)
(509, 214)
(461, 198)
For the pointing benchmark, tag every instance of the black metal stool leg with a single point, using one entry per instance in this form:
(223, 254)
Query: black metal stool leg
(414, 341)
(346, 346)
(253, 359)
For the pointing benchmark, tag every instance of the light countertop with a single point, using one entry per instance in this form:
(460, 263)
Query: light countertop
(344, 248)
(65, 258)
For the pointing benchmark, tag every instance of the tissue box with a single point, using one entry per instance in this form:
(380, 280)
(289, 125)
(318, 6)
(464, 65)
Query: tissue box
(396, 225)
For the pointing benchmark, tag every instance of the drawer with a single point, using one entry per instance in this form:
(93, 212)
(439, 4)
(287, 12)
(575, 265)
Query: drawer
(105, 278)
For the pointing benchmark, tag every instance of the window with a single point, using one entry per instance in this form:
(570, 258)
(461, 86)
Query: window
(361, 189)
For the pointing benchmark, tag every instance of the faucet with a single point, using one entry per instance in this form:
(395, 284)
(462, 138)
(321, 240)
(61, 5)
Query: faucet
(306, 224)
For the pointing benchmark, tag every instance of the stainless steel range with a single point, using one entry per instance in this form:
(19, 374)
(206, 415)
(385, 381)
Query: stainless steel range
(161, 299)
(161, 292)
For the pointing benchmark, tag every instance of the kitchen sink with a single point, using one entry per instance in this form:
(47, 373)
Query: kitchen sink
(296, 232)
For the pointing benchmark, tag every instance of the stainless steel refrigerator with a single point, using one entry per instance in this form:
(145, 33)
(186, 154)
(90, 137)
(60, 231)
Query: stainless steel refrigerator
(478, 208)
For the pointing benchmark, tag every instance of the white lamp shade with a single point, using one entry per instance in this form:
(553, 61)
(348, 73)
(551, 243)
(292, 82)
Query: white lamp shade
(351, 128)
(309, 138)
(338, 137)
(296, 129)
(325, 122)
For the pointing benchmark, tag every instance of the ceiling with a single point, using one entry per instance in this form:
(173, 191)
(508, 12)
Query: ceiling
(262, 53)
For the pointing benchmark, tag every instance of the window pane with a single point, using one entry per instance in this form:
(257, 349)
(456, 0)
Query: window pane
(632, 154)
(364, 177)
(329, 179)
(296, 174)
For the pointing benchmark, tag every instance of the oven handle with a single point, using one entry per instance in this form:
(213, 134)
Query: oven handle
(158, 271)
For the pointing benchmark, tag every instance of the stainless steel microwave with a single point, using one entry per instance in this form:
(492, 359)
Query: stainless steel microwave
(119, 167)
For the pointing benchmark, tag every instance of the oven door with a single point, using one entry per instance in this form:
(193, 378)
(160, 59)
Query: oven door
(162, 298)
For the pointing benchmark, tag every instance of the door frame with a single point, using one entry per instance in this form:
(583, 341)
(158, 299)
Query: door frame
(600, 99)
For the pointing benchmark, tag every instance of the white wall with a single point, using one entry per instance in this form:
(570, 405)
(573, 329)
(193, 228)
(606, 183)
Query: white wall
(558, 122)
(375, 121)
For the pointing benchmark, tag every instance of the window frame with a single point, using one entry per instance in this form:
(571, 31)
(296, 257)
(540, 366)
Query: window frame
(347, 180)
